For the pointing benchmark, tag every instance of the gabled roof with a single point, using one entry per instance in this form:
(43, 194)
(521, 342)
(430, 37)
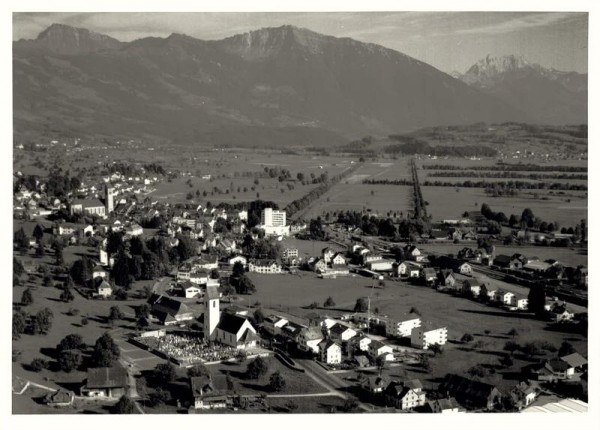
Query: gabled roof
(231, 323)
(167, 305)
(557, 365)
(574, 360)
(59, 396)
(437, 406)
(206, 386)
(107, 377)
(461, 386)
(326, 344)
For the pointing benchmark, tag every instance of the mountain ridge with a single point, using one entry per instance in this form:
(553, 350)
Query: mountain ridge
(186, 89)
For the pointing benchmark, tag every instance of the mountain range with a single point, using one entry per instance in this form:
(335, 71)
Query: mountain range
(548, 95)
(269, 87)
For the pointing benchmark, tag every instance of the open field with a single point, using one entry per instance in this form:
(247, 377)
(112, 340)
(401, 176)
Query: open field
(288, 293)
(451, 203)
(358, 197)
(570, 257)
(296, 382)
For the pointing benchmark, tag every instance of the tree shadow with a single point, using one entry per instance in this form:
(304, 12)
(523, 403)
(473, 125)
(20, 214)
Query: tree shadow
(49, 352)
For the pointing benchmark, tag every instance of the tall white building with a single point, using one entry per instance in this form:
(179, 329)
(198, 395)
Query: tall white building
(109, 194)
(422, 337)
(272, 218)
(212, 312)
(273, 222)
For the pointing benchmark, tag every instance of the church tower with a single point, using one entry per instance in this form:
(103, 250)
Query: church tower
(212, 313)
(109, 198)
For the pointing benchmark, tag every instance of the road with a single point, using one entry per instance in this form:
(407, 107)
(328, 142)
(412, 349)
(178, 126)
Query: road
(331, 382)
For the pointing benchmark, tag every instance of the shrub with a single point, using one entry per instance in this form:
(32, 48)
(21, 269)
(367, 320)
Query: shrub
(38, 364)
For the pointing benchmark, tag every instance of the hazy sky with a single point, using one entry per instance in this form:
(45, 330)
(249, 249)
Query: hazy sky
(450, 41)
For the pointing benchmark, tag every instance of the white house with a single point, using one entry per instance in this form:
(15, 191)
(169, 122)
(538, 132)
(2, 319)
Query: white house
(237, 259)
(380, 265)
(377, 348)
(342, 333)
(521, 302)
(422, 337)
(309, 339)
(402, 328)
(273, 324)
(338, 259)
(363, 343)
(104, 289)
(264, 266)
(331, 352)
(504, 297)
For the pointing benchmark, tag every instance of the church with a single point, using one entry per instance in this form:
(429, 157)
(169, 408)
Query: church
(229, 329)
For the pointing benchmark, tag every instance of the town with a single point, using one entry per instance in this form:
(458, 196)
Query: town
(151, 307)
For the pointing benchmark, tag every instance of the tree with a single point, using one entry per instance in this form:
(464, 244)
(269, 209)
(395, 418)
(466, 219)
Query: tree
(466, 338)
(18, 324)
(42, 321)
(115, 314)
(436, 349)
(69, 360)
(277, 382)
(565, 349)
(511, 346)
(290, 405)
(18, 268)
(38, 364)
(70, 342)
(477, 371)
(124, 406)
(121, 270)
(27, 297)
(238, 270)
(81, 270)
(106, 351)
(513, 332)
(197, 370)
(59, 258)
(329, 303)
(159, 397)
(530, 349)
(506, 361)
(142, 311)
(536, 299)
(361, 305)
(21, 241)
(257, 368)
(164, 373)
(245, 285)
(67, 295)
(424, 362)
(259, 316)
(38, 232)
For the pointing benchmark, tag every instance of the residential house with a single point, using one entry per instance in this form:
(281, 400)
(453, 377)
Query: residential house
(363, 343)
(209, 392)
(381, 265)
(99, 272)
(107, 382)
(472, 287)
(558, 313)
(319, 265)
(273, 324)
(409, 269)
(428, 275)
(331, 352)
(103, 288)
(342, 333)
(412, 252)
(525, 393)
(264, 266)
(309, 339)
(471, 393)
(327, 254)
(401, 328)
(549, 370)
(443, 406)
(338, 259)
(423, 337)
(169, 311)
(290, 255)
(377, 349)
(236, 331)
(374, 385)
(405, 395)
(521, 302)
(576, 361)
(504, 297)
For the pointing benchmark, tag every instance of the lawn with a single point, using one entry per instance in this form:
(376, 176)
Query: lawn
(451, 203)
(296, 382)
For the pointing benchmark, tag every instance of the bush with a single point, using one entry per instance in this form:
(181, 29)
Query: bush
(257, 368)
(467, 337)
(159, 397)
(277, 382)
(38, 364)
(329, 302)
(198, 370)
(123, 406)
